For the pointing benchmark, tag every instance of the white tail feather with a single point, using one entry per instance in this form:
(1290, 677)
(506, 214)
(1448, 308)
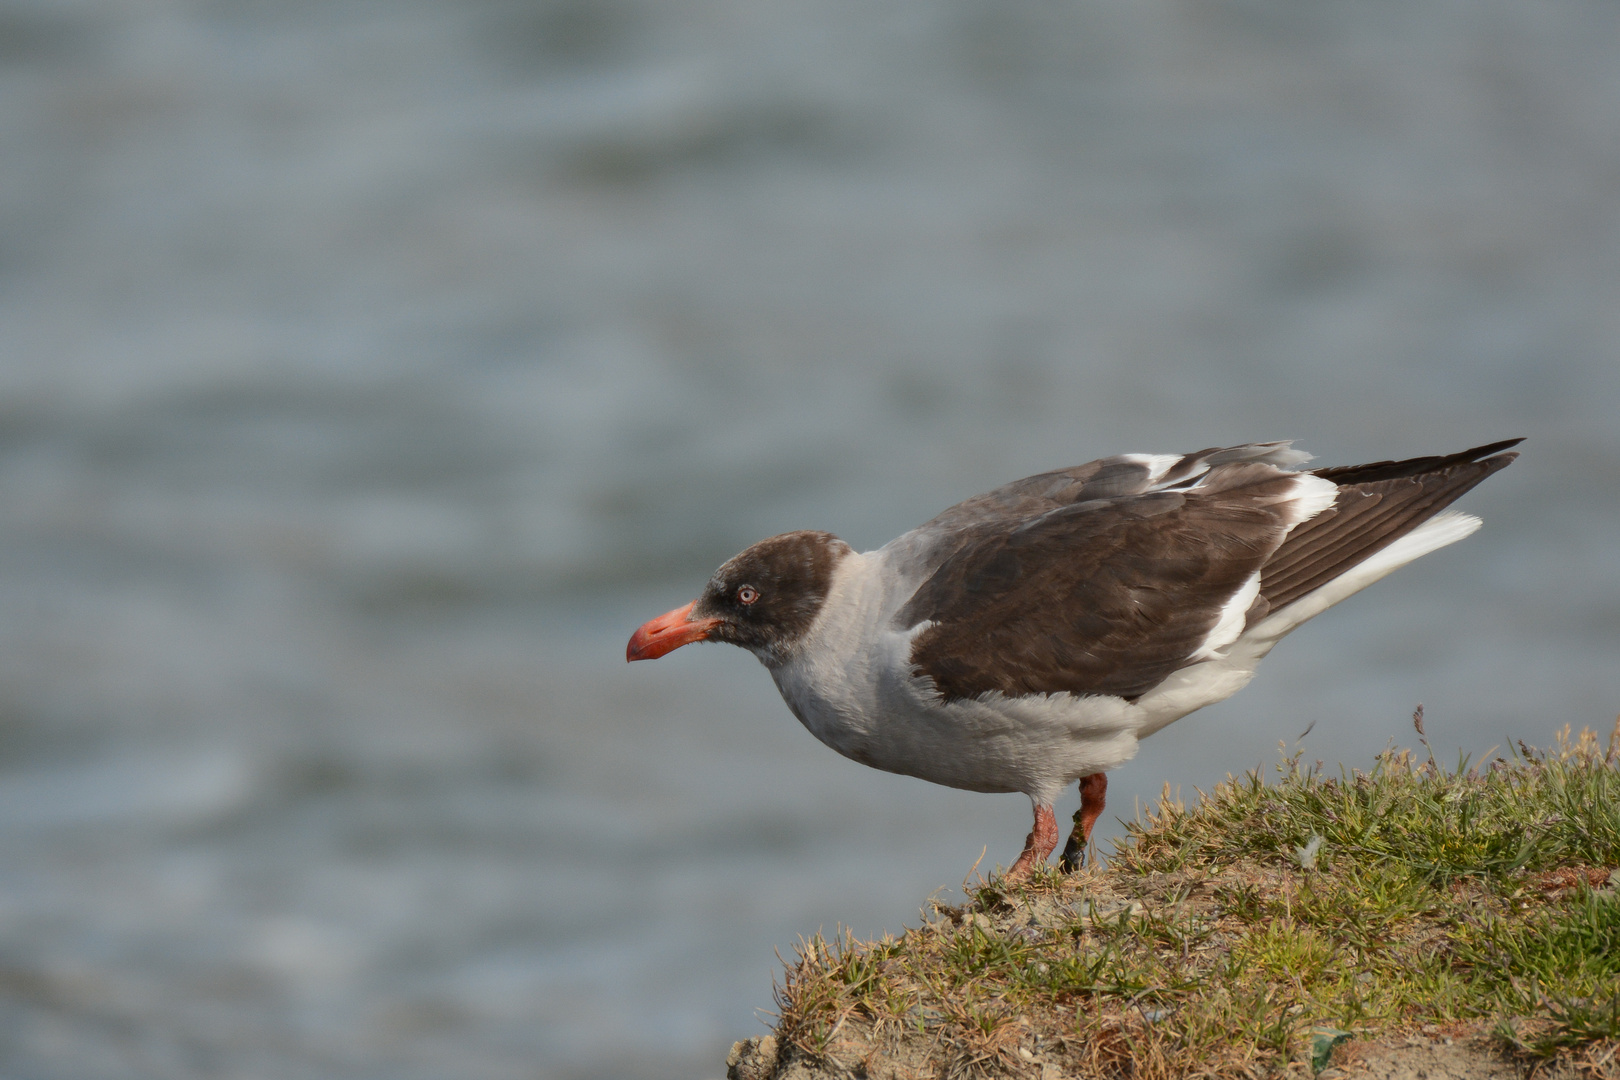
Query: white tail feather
(1436, 533)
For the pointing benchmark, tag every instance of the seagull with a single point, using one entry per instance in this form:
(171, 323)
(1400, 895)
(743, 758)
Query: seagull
(1031, 636)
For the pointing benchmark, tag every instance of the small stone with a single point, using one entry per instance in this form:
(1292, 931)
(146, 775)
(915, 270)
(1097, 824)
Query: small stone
(752, 1059)
(1023, 1052)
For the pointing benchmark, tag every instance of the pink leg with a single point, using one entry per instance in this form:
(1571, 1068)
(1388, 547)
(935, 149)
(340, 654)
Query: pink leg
(1093, 792)
(1037, 845)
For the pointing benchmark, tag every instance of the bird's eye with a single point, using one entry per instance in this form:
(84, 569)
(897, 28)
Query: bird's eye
(747, 594)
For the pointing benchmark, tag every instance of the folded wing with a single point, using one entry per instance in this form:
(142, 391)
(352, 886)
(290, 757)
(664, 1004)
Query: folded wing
(1106, 578)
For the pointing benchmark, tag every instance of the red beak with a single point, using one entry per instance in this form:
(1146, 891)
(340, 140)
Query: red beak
(667, 633)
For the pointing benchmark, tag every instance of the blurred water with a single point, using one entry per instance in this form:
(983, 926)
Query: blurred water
(369, 371)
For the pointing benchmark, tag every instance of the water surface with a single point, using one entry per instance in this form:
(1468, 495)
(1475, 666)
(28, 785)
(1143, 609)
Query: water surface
(369, 371)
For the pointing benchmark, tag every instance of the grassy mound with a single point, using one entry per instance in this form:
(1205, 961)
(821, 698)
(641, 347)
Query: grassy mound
(1254, 934)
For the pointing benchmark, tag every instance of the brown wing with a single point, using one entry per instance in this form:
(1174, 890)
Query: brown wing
(983, 517)
(1104, 597)
(1111, 595)
(1377, 505)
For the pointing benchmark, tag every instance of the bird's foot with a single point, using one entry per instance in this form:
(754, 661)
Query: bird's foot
(1037, 845)
(1074, 855)
(1093, 794)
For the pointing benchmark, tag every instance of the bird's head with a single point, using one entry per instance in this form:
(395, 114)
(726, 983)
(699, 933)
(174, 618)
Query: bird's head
(763, 599)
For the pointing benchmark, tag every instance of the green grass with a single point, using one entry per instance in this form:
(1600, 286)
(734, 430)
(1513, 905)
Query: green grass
(1249, 934)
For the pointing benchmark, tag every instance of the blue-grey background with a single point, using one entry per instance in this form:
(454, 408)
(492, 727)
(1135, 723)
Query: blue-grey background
(369, 370)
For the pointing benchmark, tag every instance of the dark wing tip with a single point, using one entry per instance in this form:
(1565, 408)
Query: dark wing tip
(1377, 505)
(1488, 450)
(1394, 470)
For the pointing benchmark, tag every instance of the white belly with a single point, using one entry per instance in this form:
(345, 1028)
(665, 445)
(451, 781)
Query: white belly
(1037, 745)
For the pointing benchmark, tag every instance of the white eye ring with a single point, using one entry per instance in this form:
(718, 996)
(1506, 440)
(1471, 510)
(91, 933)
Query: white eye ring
(747, 594)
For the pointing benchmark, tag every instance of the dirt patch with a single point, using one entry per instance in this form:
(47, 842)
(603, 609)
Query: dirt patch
(1463, 1056)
